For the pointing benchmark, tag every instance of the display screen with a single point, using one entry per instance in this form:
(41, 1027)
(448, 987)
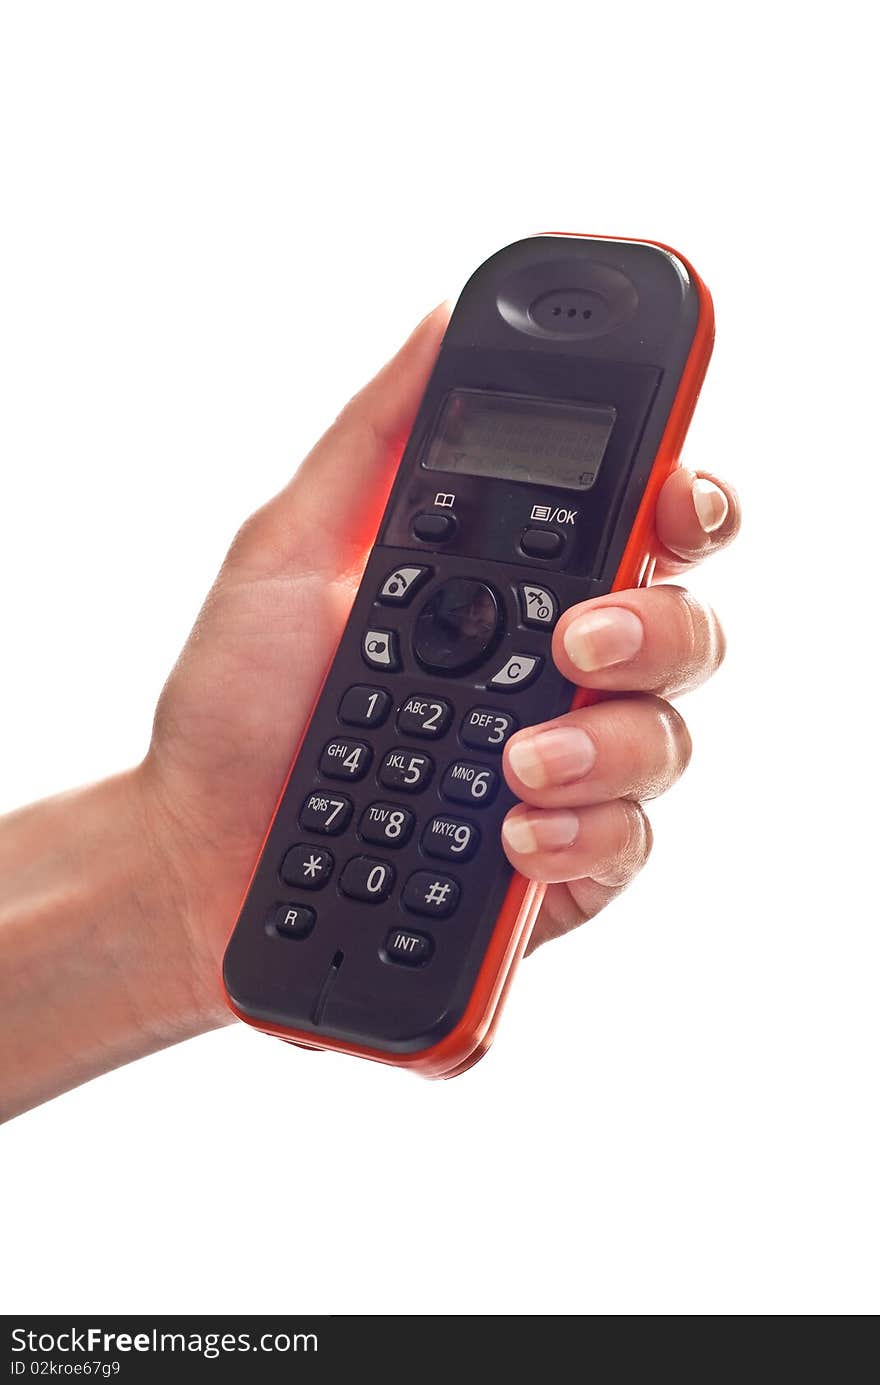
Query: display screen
(515, 437)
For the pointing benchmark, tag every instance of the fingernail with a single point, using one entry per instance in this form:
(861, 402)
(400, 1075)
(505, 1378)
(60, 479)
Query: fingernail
(710, 503)
(557, 756)
(603, 637)
(542, 831)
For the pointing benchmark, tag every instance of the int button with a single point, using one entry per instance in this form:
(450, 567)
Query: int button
(406, 947)
(541, 543)
(431, 528)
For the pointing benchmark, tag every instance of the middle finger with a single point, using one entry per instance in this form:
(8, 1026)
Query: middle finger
(632, 747)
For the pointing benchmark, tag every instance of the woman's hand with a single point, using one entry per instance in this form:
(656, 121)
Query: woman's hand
(118, 898)
(237, 701)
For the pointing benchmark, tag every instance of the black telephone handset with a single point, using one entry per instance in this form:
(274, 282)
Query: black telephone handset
(383, 918)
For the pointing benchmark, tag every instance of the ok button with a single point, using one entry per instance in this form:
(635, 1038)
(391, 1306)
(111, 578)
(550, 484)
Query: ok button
(457, 626)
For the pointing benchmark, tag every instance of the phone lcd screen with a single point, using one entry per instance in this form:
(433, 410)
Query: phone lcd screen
(517, 437)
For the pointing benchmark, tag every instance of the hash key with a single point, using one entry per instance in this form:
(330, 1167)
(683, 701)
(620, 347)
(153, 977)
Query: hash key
(430, 894)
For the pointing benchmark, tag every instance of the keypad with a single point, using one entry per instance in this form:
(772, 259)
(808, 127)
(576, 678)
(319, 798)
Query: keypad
(345, 759)
(450, 839)
(432, 895)
(309, 867)
(367, 879)
(484, 728)
(467, 782)
(407, 770)
(436, 634)
(387, 824)
(407, 948)
(326, 812)
(363, 705)
(424, 716)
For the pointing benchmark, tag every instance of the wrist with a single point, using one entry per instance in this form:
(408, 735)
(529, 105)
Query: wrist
(180, 983)
(97, 963)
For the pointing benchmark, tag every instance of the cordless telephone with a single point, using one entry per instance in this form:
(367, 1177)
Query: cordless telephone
(383, 918)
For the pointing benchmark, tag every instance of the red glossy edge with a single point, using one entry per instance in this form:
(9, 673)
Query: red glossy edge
(473, 1034)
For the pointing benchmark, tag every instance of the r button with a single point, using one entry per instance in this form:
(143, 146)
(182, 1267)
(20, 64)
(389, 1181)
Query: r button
(292, 920)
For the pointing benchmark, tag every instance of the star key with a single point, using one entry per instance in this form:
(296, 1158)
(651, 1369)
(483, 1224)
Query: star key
(309, 867)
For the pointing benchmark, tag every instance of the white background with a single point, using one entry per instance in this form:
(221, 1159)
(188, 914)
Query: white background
(217, 220)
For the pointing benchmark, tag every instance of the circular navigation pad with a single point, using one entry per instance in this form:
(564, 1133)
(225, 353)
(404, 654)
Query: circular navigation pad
(457, 626)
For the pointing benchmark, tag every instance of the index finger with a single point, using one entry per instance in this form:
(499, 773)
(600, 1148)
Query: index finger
(325, 517)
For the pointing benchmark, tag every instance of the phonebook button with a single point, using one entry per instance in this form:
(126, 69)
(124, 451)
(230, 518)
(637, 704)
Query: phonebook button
(432, 528)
